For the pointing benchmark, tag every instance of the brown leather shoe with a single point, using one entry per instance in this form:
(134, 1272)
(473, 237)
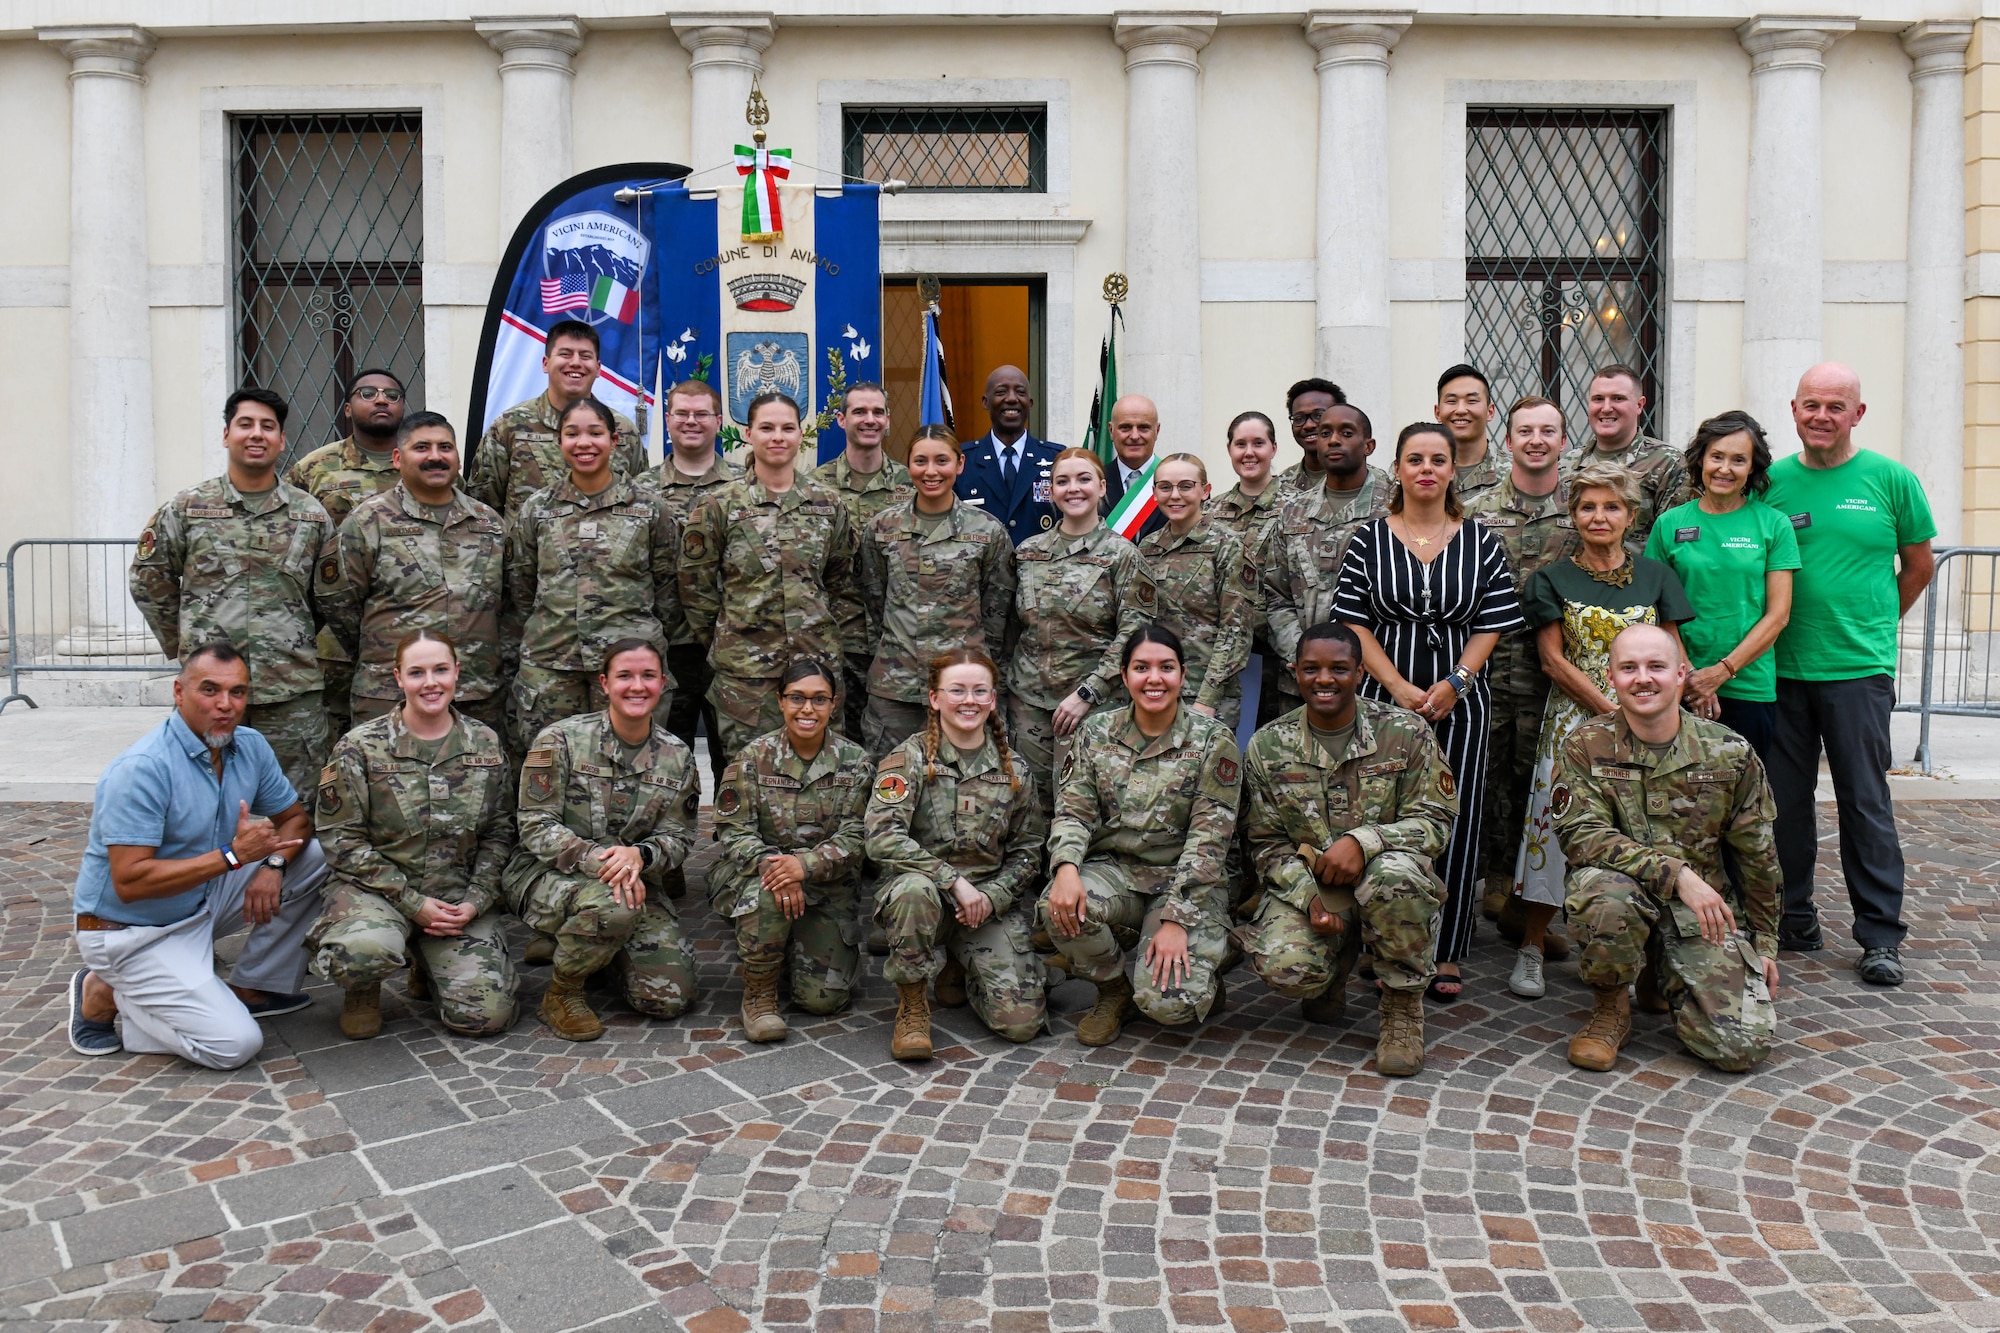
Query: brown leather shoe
(912, 1038)
(567, 1013)
(361, 1012)
(761, 1019)
(951, 985)
(1606, 1032)
(1106, 1019)
(1399, 1051)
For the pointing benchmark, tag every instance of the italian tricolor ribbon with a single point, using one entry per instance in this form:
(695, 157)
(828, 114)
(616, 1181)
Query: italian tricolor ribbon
(765, 167)
(1136, 505)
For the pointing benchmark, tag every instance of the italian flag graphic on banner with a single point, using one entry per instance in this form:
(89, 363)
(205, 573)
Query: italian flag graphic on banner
(615, 299)
(1137, 504)
(763, 220)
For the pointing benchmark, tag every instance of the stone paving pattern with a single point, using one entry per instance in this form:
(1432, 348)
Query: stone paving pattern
(1252, 1175)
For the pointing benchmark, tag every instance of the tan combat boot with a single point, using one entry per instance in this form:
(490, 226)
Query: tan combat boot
(951, 985)
(1106, 1019)
(1555, 941)
(361, 1014)
(1609, 1028)
(912, 1038)
(566, 1011)
(540, 949)
(1399, 1051)
(1499, 888)
(761, 1020)
(1330, 1006)
(420, 984)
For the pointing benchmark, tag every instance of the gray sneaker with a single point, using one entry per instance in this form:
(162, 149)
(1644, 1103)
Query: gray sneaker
(87, 1036)
(1527, 978)
(1880, 967)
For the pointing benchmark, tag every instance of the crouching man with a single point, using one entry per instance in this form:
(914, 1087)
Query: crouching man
(196, 834)
(1348, 801)
(1644, 803)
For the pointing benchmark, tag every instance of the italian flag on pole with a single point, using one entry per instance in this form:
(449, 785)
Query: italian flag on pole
(763, 220)
(615, 299)
(1137, 504)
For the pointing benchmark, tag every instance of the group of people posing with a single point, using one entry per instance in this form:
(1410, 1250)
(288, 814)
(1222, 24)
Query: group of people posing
(944, 701)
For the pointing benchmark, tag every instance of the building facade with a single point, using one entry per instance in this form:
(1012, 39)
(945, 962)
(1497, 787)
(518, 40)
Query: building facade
(211, 193)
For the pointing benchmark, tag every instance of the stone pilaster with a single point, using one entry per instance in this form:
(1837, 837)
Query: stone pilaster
(536, 78)
(727, 56)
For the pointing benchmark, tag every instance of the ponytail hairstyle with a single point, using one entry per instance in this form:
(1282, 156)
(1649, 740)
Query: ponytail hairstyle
(939, 433)
(589, 403)
(417, 636)
(997, 729)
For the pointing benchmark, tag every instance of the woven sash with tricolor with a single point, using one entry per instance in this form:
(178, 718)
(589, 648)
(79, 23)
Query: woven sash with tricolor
(765, 167)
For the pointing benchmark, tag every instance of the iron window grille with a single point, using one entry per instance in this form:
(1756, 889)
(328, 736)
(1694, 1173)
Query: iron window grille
(1564, 233)
(329, 260)
(949, 149)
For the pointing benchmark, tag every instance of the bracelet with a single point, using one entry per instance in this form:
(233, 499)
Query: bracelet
(1724, 664)
(230, 859)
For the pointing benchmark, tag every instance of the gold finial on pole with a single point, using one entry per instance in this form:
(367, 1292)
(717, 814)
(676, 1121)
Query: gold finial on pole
(929, 290)
(758, 112)
(1115, 288)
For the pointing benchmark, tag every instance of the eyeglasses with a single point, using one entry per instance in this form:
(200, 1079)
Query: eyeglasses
(368, 393)
(1308, 418)
(808, 700)
(690, 416)
(958, 694)
(1176, 487)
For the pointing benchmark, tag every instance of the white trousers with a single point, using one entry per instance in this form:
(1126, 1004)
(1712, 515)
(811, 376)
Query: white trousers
(169, 997)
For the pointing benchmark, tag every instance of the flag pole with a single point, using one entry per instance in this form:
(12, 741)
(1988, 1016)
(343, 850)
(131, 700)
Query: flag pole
(1097, 435)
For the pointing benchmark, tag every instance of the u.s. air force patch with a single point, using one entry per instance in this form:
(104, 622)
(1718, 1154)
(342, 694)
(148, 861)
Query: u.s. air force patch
(892, 789)
(1225, 770)
(1447, 785)
(329, 570)
(329, 790)
(538, 772)
(1559, 801)
(728, 801)
(694, 543)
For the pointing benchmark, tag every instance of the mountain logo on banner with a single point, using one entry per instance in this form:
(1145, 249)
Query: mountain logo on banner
(762, 363)
(766, 291)
(592, 266)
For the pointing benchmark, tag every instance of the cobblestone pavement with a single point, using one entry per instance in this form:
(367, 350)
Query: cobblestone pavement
(1252, 1175)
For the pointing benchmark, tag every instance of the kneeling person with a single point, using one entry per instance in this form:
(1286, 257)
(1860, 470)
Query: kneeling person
(1145, 810)
(1644, 802)
(416, 821)
(957, 828)
(789, 817)
(608, 805)
(1348, 802)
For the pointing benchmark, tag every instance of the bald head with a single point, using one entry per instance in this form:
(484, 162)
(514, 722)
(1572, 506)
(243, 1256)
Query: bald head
(1007, 402)
(1825, 412)
(1646, 639)
(1135, 429)
(1647, 673)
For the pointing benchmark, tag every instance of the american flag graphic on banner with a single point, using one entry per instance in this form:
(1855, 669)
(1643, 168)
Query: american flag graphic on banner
(569, 292)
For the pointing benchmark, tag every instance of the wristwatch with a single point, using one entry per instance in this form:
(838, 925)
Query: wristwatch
(277, 862)
(1088, 695)
(646, 856)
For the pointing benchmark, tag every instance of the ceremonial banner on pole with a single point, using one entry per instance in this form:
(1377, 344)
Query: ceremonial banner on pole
(801, 314)
(580, 253)
(934, 396)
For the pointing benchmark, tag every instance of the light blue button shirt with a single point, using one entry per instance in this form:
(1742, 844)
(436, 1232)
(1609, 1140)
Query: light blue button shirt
(163, 793)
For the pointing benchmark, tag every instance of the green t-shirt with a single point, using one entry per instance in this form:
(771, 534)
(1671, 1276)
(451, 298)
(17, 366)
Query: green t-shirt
(1722, 560)
(1849, 522)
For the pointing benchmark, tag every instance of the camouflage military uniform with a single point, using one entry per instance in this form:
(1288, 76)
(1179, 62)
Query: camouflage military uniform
(1301, 565)
(767, 578)
(1207, 590)
(215, 563)
(1247, 515)
(929, 824)
(1391, 791)
(1663, 480)
(1628, 819)
(1297, 479)
(584, 571)
(773, 803)
(687, 657)
(521, 454)
(1147, 824)
(340, 476)
(1076, 601)
(865, 494)
(929, 583)
(399, 826)
(398, 565)
(1483, 476)
(1251, 518)
(1534, 530)
(580, 793)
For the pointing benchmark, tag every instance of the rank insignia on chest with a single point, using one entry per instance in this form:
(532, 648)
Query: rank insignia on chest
(892, 789)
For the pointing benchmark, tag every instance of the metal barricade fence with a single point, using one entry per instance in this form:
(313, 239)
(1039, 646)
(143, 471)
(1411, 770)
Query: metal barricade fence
(1946, 662)
(68, 612)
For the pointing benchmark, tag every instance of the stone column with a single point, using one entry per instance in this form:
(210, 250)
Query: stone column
(1162, 357)
(535, 84)
(1351, 240)
(1934, 313)
(1782, 284)
(727, 53)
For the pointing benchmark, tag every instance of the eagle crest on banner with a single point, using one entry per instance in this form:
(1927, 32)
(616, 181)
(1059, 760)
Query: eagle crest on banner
(763, 362)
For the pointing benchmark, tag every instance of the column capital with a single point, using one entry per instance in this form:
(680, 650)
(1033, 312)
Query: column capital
(1163, 39)
(533, 43)
(1355, 37)
(1791, 41)
(1938, 46)
(116, 51)
(749, 34)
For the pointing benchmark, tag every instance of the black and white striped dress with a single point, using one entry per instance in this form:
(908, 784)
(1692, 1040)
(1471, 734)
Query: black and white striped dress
(1423, 616)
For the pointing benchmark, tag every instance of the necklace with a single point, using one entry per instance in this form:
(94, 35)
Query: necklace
(1620, 577)
(1425, 541)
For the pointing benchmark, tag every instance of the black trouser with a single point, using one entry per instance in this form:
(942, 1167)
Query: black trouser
(1849, 720)
(687, 663)
(1753, 721)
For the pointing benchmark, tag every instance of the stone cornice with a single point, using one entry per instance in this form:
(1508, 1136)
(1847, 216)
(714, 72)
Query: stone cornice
(983, 231)
(1356, 38)
(1791, 41)
(533, 43)
(1164, 39)
(1938, 46)
(113, 51)
(699, 33)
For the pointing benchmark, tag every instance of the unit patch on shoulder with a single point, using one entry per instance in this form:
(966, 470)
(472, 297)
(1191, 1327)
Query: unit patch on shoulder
(1145, 593)
(329, 570)
(147, 543)
(728, 801)
(892, 789)
(1559, 801)
(691, 804)
(1249, 575)
(694, 543)
(1447, 784)
(1225, 770)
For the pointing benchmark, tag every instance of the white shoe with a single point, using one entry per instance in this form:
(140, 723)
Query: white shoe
(1527, 979)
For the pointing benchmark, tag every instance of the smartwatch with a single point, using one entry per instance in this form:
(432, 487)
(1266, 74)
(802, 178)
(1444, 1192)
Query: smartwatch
(647, 856)
(230, 859)
(1088, 695)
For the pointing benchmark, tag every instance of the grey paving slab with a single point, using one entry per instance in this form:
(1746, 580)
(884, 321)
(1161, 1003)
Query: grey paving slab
(478, 1208)
(27, 1252)
(671, 1098)
(142, 1226)
(553, 1278)
(400, 1109)
(353, 1065)
(783, 1070)
(473, 1147)
(287, 1191)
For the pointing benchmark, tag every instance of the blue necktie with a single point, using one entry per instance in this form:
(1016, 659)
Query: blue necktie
(1007, 467)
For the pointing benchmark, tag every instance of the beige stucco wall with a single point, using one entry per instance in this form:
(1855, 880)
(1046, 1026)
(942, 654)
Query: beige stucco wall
(1982, 311)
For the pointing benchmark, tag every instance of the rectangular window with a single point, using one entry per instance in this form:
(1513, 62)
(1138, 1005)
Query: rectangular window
(1564, 237)
(949, 149)
(329, 260)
